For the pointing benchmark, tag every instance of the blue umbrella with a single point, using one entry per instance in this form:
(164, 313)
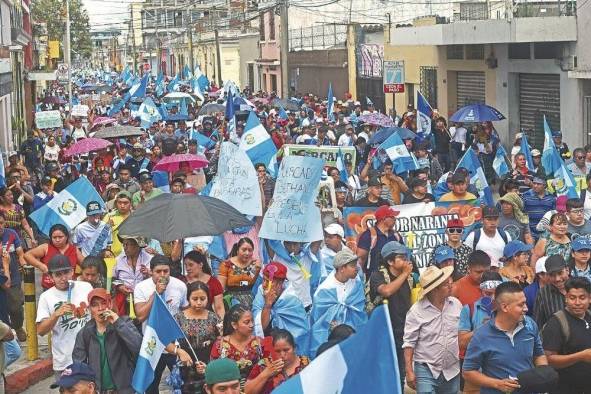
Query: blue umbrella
(405, 133)
(381, 136)
(477, 113)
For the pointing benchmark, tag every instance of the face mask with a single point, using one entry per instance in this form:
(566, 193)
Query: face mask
(487, 304)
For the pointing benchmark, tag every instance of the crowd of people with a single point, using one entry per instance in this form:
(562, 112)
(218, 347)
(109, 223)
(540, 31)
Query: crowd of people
(502, 306)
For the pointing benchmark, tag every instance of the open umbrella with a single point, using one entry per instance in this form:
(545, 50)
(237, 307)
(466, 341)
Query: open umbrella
(169, 216)
(102, 121)
(86, 145)
(211, 108)
(173, 162)
(376, 119)
(178, 96)
(475, 113)
(54, 100)
(381, 136)
(118, 131)
(405, 133)
(286, 104)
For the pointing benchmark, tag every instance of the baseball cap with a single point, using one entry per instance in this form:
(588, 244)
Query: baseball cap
(73, 374)
(557, 133)
(385, 211)
(58, 263)
(278, 270)
(345, 256)
(94, 208)
(541, 265)
(455, 223)
(416, 182)
(335, 229)
(536, 152)
(514, 247)
(458, 177)
(538, 179)
(100, 293)
(138, 145)
(220, 371)
(46, 180)
(145, 177)
(555, 263)
(490, 212)
(374, 181)
(581, 243)
(393, 247)
(443, 253)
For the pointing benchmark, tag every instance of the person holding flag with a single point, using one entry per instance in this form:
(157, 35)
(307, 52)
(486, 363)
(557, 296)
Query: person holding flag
(522, 173)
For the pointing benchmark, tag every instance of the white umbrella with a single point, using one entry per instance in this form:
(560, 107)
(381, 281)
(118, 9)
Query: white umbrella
(178, 96)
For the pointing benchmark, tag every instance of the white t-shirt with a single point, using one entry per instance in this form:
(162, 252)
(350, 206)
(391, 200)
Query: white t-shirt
(65, 330)
(587, 205)
(492, 246)
(78, 133)
(345, 140)
(51, 152)
(459, 135)
(175, 295)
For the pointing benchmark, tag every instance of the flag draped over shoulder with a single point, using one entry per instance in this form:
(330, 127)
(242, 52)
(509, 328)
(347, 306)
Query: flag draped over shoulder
(365, 362)
(160, 331)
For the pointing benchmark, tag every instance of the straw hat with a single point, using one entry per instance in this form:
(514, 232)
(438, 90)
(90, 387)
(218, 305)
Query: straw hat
(433, 277)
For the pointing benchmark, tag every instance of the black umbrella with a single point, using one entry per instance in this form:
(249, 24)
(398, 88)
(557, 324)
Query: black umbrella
(286, 104)
(118, 131)
(174, 216)
(211, 108)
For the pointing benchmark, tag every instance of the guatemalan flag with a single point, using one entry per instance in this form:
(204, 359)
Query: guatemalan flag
(345, 369)
(160, 331)
(424, 114)
(500, 162)
(524, 148)
(471, 163)
(256, 142)
(340, 164)
(563, 182)
(67, 207)
(398, 153)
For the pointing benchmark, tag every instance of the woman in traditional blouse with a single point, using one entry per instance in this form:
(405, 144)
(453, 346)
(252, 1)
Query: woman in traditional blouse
(239, 273)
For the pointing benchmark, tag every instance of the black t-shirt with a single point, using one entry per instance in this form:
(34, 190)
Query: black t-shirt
(573, 379)
(410, 199)
(364, 202)
(398, 303)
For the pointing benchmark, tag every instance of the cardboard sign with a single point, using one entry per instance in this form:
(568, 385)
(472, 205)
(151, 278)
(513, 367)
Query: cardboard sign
(80, 110)
(48, 119)
(328, 153)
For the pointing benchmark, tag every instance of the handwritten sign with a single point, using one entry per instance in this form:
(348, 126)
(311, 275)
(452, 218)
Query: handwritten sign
(328, 153)
(48, 119)
(293, 214)
(236, 182)
(80, 110)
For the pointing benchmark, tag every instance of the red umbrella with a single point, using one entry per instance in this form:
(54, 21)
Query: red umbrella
(87, 145)
(172, 163)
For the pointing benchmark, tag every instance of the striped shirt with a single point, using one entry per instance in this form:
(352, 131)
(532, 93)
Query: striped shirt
(536, 207)
(548, 301)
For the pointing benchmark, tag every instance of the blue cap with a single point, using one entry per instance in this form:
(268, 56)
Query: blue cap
(581, 243)
(443, 253)
(393, 247)
(73, 374)
(514, 247)
(557, 133)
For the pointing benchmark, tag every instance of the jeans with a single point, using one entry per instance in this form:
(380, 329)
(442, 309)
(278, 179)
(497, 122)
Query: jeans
(12, 351)
(16, 299)
(166, 360)
(427, 384)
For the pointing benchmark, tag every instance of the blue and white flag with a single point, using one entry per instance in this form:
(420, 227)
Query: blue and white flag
(187, 74)
(139, 90)
(424, 114)
(184, 108)
(564, 182)
(230, 110)
(149, 113)
(401, 158)
(201, 139)
(257, 142)
(368, 101)
(197, 89)
(330, 104)
(471, 163)
(201, 79)
(345, 369)
(2, 171)
(340, 165)
(282, 114)
(125, 74)
(160, 84)
(524, 148)
(173, 84)
(161, 330)
(67, 207)
(500, 162)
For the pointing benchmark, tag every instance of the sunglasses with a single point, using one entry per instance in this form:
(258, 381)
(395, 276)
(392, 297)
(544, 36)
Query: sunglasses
(455, 230)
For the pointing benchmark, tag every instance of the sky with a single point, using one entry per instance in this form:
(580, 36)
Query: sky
(107, 13)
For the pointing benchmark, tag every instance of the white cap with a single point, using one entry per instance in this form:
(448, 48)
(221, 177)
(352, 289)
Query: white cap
(518, 135)
(364, 135)
(335, 229)
(541, 264)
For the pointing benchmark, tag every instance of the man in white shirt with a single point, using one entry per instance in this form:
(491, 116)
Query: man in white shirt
(333, 243)
(348, 138)
(63, 311)
(174, 295)
(490, 238)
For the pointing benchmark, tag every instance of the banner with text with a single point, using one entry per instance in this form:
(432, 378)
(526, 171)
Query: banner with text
(328, 153)
(48, 119)
(421, 225)
(236, 181)
(293, 214)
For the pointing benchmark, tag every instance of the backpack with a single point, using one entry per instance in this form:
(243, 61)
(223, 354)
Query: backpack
(478, 232)
(564, 327)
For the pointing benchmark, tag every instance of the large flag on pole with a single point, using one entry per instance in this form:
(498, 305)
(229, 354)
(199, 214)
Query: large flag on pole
(500, 162)
(160, 331)
(424, 114)
(330, 104)
(471, 163)
(564, 182)
(345, 369)
(257, 142)
(398, 153)
(524, 148)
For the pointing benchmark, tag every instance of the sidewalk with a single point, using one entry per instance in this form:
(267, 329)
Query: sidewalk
(23, 374)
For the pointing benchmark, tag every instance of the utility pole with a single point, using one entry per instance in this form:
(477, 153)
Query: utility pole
(218, 58)
(284, 47)
(134, 53)
(190, 38)
(68, 55)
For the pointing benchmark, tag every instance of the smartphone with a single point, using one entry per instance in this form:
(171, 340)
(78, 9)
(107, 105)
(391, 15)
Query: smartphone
(164, 280)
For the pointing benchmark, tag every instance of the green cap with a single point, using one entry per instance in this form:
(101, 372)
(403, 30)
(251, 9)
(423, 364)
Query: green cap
(220, 371)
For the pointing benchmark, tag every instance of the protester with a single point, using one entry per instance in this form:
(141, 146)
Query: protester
(577, 224)
(239, 273)
(222, 377)
(454, 230)
(93, 237)
(198, 270)
(490, 238)
(540, 280)
(467, 289)
(536, 202)
(516, 264)
(93, 270)
(557, 242)
(459, 189)
(76, 378)
(116, 217)
(550, 298)
(513, 220)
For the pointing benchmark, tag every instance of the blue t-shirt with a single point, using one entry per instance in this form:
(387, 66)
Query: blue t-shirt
(497, 356)
(480, 315)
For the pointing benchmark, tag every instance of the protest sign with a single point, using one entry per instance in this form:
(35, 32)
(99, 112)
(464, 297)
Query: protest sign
(421, 225)
(80, 110)
(293, 214)
(328, 153)
(236, 182)
(48, 119)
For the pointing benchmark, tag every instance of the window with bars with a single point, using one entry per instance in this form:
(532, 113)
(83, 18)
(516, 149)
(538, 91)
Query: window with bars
(475, 52)
(455, 52)
(271, 26)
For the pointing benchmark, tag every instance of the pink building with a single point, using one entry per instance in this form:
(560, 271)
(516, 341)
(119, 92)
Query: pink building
(269, 62)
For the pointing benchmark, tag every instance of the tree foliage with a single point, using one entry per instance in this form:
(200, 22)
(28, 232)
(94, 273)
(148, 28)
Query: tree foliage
(53, 14)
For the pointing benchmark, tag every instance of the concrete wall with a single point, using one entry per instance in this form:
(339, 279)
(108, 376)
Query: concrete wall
(248, 47)
(230, 54)
(314, 70)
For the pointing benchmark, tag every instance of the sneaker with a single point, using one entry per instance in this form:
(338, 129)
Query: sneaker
(21, 335)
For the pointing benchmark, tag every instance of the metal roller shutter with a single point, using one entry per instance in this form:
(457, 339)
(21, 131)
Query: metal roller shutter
(539, 95)
(471, 87)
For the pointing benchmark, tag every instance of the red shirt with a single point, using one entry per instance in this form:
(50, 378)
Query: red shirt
(466, 290)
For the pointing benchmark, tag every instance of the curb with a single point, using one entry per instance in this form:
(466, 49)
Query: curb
(22, 379)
